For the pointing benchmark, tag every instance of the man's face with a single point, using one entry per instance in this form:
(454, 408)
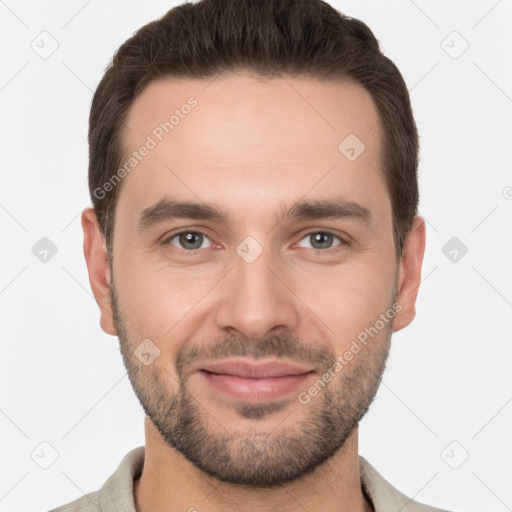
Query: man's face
(256, 285)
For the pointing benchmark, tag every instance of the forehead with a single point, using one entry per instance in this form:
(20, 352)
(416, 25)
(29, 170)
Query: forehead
(247, 140)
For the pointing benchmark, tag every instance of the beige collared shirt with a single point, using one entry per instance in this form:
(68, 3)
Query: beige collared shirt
(116, 495)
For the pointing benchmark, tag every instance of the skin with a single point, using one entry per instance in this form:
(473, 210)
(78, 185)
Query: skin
(254, 147)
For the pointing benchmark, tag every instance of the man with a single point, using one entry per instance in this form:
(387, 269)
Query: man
(254, 242)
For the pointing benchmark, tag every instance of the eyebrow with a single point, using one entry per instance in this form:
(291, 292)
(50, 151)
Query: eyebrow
(167, 209)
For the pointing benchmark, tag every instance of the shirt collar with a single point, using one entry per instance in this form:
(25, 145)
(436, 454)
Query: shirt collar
(117, 492)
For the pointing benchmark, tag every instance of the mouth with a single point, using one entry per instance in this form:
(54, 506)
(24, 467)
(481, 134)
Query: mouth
(253, 383)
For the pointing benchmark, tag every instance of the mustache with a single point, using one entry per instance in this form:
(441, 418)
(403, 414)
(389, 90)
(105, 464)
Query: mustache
(277, 346)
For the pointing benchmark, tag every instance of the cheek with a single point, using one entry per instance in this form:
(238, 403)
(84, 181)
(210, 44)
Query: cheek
(160, 303)
(348, 299)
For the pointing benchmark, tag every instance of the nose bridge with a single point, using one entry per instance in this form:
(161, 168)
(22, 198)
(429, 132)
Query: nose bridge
(256, 300)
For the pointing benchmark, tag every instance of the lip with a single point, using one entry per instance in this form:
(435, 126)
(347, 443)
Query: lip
(242, 368)
(253, 383)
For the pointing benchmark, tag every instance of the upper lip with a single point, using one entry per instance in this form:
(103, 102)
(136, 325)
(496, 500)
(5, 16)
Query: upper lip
(242, 368)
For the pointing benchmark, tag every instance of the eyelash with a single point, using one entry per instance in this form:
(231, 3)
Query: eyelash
(193, 252)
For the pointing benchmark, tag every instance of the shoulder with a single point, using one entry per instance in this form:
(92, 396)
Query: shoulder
(88, 502)
(384, 496)
(116, 493)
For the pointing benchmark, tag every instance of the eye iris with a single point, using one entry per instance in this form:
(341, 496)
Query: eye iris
(321, 240)
(195, 239)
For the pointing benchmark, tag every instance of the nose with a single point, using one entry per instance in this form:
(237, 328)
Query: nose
(258, 298)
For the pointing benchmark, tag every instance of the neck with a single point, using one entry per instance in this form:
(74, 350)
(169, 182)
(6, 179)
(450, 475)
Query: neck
(169, 483)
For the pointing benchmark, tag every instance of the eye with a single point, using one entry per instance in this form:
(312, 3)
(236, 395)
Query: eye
(189, 240)
(321, 240)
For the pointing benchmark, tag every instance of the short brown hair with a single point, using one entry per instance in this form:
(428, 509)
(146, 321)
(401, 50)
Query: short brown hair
(306, 38)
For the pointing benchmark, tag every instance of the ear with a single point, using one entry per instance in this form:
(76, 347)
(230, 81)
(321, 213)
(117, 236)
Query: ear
(95, 253)
(409, 278)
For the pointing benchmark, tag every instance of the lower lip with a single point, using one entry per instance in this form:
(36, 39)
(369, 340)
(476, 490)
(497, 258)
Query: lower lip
(255, 390)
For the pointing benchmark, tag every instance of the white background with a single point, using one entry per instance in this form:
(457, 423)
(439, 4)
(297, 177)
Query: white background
(448, 377)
